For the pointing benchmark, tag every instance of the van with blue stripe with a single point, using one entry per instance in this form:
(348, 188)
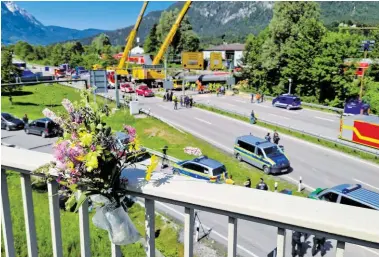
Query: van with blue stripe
(262, 154)
(201, 168)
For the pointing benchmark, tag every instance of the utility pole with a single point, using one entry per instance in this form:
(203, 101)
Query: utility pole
(289, 89)
(116, 89)
(366, 44)
(362, 78)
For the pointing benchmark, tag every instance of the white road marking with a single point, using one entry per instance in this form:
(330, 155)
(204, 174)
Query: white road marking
(204, 121)
(208, 228)
(321, 118)
(366, 184)
(282, 117)
(368, 249)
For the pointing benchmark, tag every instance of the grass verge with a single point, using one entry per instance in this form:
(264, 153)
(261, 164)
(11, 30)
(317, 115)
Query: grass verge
(166, 242)
(366, 156)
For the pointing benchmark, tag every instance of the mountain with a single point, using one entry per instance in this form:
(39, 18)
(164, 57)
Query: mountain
(237, 19)
(17, 24)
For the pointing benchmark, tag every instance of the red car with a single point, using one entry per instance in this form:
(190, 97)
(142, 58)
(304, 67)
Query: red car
(144, 91)
(126, 88)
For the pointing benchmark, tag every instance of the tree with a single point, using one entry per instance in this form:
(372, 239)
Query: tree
(8, 73)
(371, 94)
(189, 42)
(23, 49)
(151, 43)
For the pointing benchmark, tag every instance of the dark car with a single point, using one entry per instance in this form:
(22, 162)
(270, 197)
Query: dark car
(44, 127)
(287, 101)
(9, 122)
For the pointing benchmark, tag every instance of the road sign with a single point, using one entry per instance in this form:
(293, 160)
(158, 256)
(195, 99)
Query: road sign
(98, 80)
(153, 67)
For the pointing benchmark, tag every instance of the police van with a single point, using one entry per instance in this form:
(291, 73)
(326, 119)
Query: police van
(262, 154)
(201, 168)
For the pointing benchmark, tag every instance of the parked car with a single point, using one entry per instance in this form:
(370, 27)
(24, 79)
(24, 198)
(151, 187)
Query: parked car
(348, 194)
(9, 122)
(201, 168)
(126, 87)
(44, 127)
(287, 101)
(356, 107)
(144, 90)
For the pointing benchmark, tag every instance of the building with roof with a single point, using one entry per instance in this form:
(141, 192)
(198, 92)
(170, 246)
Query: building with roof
(231, 53)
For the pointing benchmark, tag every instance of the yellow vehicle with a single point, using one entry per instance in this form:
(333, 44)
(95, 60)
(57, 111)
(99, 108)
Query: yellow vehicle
(193, 60)
(216, 61)
(97, 67)
(154, 72)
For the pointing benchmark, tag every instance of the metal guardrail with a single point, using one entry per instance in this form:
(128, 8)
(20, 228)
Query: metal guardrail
(294, 129)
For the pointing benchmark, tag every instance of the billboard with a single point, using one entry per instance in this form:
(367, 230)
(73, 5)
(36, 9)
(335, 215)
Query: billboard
(193, 60)
(98, 79)
(216, 61)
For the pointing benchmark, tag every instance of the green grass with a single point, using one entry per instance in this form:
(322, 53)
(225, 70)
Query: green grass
(152, 132)
(341, 148)
(100, 244)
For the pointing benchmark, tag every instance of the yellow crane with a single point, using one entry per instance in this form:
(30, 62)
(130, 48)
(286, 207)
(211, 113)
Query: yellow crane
(149, 74)
(121, 69)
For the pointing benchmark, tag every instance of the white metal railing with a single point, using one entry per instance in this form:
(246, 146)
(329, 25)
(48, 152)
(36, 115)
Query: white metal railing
(343, 223)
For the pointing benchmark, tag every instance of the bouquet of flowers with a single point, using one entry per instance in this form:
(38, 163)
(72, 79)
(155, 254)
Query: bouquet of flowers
(193, 151)
(89, 161)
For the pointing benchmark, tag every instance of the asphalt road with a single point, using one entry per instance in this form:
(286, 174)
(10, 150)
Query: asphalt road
(254, 239)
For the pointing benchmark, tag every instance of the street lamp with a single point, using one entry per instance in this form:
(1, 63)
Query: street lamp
(367, 46)
(289, 90)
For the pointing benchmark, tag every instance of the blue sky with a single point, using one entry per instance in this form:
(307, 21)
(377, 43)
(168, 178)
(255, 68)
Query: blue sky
(108, 15)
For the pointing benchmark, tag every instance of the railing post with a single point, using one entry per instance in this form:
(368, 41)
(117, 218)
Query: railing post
(55, 221)
(281, 243)
(85, 249)
(189, 220)
(232, 237)
(6, 220)
(340, 249)
(150, 227)
(27, 199)
(116, 251)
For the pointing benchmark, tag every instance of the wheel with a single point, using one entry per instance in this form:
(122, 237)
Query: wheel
(7, 128)
(27, 131)
(239, 157)
(288, 107)
(266, 170)
(43, 134)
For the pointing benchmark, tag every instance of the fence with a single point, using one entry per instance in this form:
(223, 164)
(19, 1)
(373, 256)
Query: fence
(312, 217)
(354, 147)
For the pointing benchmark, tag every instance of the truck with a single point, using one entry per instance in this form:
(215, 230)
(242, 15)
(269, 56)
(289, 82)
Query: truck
(360, 129)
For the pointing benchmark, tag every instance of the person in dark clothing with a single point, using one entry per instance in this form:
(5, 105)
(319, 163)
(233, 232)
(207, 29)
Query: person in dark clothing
(262, 185)
(175, 103)
(318, 245)
(247, 183)
(262, 98)
(186, 101)
(252, 117)
(25, 119)
(276, 137)
(171, 95)
(190, 101)
(181, 101)
(252, 98)
(296, 244)
(268, 137)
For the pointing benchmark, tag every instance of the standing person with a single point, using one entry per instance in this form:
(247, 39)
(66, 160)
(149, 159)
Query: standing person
(175, 103)
(247, 183)
(252, 117)
(276, 137)
(171, 95)
(25, 119)
(262, 185)
(268, 137)
(252, 98)
(229, 180)
(190, 101)
(296, 244)
(257, 97)
(181, 100)
(186, 101)
(262, 98)
(318, 245)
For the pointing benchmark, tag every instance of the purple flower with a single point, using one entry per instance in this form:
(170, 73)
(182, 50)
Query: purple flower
(51, 115)
(68, 105)
(60, 150)
(74, 152)
(93, 148)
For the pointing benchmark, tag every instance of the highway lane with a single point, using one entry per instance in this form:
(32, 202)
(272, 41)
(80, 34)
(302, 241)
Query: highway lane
(253, 239)
(317, 122)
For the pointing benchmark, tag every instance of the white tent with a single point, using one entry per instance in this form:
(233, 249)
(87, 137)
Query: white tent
(137, 50)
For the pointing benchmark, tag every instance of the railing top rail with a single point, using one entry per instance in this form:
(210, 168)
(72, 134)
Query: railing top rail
(350, 224)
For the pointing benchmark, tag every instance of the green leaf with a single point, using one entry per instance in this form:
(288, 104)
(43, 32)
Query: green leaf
(81, 200)
(70, 202)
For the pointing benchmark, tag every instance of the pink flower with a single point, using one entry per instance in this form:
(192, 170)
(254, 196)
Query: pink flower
(93, 148)
(131, 132)
(51, 115)
(68, 105)
(61, 165)
(60, 150)
(74, 136)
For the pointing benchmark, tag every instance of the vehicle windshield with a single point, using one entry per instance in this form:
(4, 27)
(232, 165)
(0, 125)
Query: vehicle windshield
(7, 116)
(218, 171)
(272, 151)
(297, 99)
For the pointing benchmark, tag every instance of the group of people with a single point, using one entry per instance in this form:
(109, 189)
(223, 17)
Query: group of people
(297, 244)
(259, 98)
(168, 96)
(261, 185)
(185, 101)
(275, 137)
